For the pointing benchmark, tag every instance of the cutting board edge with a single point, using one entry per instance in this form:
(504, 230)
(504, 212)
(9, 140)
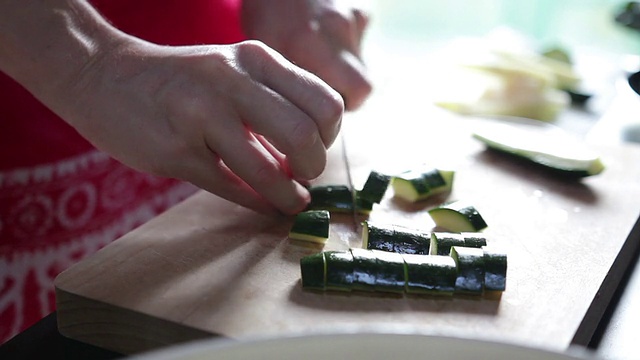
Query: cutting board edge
(118, 329)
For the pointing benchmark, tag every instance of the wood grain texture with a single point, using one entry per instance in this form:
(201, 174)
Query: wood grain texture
(215, 268)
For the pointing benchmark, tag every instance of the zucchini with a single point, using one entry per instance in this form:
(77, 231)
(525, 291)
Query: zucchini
(311, 225)
(331, 198)
(471, 269)
(337, 198)
(419, 184)
(430, 274)
(313, 269)
(341, 275)
(441, 242)
(375, 187)
(391, 276)
(365, 268)
(385, 237)
(381, 271)
(552, 150)
(474, 239)
(458, 216)
(495, 265)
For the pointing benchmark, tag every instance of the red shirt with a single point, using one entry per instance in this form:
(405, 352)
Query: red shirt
(60, 198)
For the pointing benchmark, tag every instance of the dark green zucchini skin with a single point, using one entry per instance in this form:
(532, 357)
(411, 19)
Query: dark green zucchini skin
(391, 276)
(430, 274)
(313, 223)
(365, 269)
(441, 242)
(395, 238)
(341, 275)
(495, 264)
(337, 198)
(471, 269)
(331, 198)
(313, 269)
(375, 187)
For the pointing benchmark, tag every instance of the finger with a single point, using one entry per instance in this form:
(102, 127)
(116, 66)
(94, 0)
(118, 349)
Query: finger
(211, 174)
(281, 158)
(340, 29)
(322, 104)
(293, 133)
(362, 21)
(340, 69)
(249, 160)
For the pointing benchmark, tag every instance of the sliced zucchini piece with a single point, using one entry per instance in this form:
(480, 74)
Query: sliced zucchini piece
(391, 272)
(313, 271)
(471, 269)
(386, 237)
(418, 184)
(474, 239)
(495, 265)
(377, 236)
(375, 187)
(311, 225)
(337, 198)
(365, 268)
(430, 274)
(458, 216)
(339, 270)
(552, 150)
(331, 198)
(441, 242)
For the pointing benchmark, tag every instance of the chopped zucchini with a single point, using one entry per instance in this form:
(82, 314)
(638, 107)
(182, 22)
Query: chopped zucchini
(313, 269)
(337, 198)
(311, 225)
(365, 269)
(341, 275)
(395, 238)
(391, 275)
(474, 239)
(495, 265)
(331, 198)
(430, 274)
(441, 242)
(418, 184)
(471, 269)
(375, 187)
(458, 216)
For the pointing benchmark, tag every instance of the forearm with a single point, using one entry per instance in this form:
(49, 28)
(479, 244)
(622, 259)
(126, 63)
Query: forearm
(45, 44)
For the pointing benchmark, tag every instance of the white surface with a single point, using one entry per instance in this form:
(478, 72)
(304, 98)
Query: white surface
(370, 346)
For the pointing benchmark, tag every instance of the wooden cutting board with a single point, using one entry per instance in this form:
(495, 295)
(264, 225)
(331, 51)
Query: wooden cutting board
(208, 267)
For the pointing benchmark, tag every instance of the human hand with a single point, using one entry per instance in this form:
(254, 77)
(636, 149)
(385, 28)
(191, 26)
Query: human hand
(322, 36)
(239, 121)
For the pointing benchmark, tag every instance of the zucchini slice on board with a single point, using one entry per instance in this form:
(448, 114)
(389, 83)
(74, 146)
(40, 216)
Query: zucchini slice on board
(458, 216)
(341, 275)
(430, 274)
(311, 225)
(313, 269)
(441, 242)
(542, 144)
(365, 269)
(471, 269)
(419, 184)
(391, 277)
(495, 267)
(375, 187)
(393, 238)
(337, 198)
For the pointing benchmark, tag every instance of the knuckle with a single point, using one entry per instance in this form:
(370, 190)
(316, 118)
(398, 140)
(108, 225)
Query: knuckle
(302, 136)
(264, 175)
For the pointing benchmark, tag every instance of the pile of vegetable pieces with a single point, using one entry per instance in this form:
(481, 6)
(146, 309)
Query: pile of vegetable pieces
(398, 259)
